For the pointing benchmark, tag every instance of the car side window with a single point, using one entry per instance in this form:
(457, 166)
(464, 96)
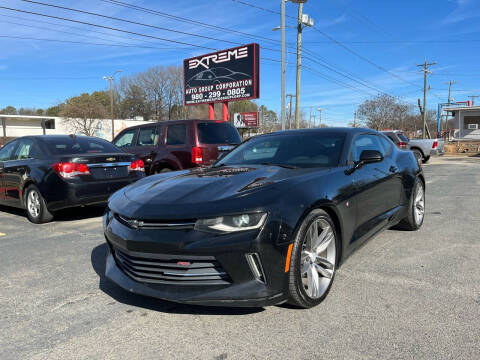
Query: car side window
(386, 143)
(148, 136)
(25, 150)
(126, 139)
(176, 134)
(7, 151)
(365, 142)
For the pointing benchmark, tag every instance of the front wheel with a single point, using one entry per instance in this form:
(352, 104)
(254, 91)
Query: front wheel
(416, 209)
(313, 261)
(36, 207)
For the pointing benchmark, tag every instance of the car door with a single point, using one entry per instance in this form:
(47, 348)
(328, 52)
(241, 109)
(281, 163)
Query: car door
(377, 192)
(18, 169)
(126, 140)
(146, 146)
(177, 144)
(6, 154)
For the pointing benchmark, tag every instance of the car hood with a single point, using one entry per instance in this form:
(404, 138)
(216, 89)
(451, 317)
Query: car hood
(185, 194)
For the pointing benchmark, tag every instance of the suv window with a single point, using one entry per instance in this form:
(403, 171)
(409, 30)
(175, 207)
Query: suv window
(365, 142)
(125, 139)
(7, 150)
(402, 137)
(25, 150)
(217, 133)
(176, 134)
(147, 136)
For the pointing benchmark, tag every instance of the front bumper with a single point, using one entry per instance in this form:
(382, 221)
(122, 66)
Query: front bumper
(131, 254)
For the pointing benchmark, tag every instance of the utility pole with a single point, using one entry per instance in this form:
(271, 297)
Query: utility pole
(473, 97)
(303, 20)
(450, 83)
(425, 70)
(283, 62)
(299, 64)
(290, 106)
(112, 114)
(320, 117)
(310, 120)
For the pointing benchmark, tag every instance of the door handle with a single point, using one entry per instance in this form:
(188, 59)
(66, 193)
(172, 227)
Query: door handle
(393, 169)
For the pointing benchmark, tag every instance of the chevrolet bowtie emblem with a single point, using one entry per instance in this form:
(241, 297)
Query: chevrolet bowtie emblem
(111, 159)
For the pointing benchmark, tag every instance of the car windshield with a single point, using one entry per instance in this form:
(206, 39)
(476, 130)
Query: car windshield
(298, 150)
(79, 145)
(217, 133)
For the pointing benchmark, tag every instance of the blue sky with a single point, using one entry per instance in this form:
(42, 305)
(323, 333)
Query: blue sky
(389, 37)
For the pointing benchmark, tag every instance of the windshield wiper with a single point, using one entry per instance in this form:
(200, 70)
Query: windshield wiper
(280, 165)
(217, 166)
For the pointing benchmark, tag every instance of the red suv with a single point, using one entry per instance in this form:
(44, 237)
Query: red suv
(180, 144)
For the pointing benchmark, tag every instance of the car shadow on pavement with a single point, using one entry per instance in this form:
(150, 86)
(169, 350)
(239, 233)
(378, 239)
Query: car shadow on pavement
(71, 214)
(97, 258)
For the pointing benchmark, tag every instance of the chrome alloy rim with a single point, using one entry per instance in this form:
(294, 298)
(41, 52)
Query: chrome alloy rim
(33, 203)
(318, 258)
(419, 204)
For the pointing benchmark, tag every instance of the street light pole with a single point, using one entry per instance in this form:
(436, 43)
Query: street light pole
(112, 115)
(320, 117)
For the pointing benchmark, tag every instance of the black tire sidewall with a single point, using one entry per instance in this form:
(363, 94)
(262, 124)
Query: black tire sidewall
(298, 295)
(44, 215)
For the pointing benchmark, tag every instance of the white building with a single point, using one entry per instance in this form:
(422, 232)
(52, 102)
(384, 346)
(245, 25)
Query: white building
(467, 122)
(13, 126)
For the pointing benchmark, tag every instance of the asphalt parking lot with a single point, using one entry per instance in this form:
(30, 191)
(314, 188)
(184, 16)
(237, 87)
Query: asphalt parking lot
(404, 295)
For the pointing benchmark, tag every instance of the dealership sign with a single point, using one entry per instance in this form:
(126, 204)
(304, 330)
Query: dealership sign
(226, 75)
(245, 120)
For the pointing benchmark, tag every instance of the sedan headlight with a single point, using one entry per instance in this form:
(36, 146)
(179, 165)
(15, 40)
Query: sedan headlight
(231, 223)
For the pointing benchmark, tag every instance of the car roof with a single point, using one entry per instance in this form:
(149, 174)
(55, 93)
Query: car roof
(345, 130)
(172, 122)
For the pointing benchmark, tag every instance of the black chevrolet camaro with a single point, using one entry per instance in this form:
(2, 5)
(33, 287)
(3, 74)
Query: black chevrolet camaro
(270, 222)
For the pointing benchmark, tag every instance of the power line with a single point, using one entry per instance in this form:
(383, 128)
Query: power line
(108, 28)
(190, 21)
(129, 21)
(399, 41)
(334, 41)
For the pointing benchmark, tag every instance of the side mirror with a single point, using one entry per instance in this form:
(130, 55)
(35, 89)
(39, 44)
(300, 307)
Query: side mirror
(370, 156)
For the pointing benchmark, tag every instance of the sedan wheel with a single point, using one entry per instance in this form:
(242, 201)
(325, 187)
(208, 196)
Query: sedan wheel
(419, 205)
(37, 210)
(314, 259)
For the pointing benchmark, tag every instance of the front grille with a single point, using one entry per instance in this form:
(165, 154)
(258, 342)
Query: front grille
(171, 269)
(155, 224)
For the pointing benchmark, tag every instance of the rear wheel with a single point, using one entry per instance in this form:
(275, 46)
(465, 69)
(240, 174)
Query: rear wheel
(313, 260)
(425, 159)
(36, 207)
(416, 210)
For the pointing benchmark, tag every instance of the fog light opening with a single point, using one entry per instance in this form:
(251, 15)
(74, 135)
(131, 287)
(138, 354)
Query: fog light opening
(256, 267)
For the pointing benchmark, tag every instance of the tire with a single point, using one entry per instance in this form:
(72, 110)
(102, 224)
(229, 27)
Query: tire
(425, 159)
(164, 170)
(304, 291)
(418, 154)
(161, 170)
(412, 221)
(36, 207)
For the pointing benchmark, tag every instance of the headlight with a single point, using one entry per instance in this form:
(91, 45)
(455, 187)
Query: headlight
(232, 223)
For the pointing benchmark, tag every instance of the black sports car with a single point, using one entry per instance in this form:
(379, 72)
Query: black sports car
(43, 174)
(270, 222)
(215, 76)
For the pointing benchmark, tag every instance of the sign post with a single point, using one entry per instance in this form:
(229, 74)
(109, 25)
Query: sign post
(221, 77)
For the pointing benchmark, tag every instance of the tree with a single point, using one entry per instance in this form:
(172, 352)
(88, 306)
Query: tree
(9, 110)
(55, 110)
(382, 112)
(39, 112)
(84, 113)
